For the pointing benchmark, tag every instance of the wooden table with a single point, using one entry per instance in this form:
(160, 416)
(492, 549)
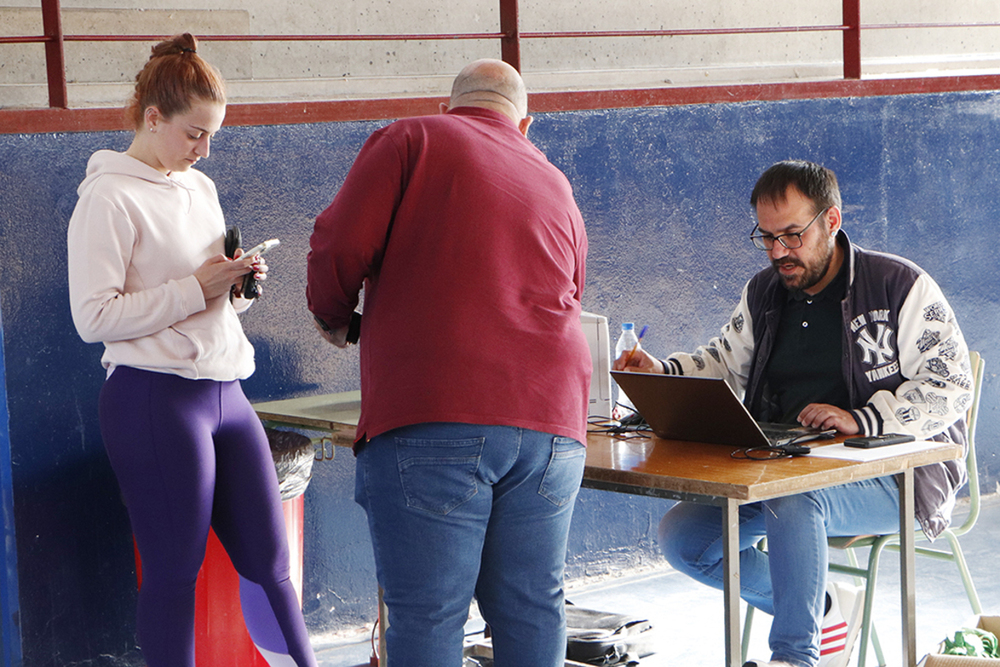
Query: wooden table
(707, 473)
(333, 414)
(685, 471)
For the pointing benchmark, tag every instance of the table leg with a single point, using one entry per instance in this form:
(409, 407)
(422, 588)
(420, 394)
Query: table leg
(731, 587)
(907, 565)
(383, 625)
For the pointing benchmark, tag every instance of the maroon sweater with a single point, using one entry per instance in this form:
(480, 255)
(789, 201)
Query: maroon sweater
(471, 251)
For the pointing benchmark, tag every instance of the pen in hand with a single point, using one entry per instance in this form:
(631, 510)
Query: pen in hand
(636, 346)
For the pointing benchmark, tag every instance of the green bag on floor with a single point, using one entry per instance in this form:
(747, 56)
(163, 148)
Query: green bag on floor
(974, 643)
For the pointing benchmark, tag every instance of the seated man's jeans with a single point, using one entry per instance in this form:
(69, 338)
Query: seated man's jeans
(462, 510)
(789, 581)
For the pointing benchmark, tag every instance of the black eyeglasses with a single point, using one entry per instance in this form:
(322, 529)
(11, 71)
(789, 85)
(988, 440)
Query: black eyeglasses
(766, 453)
(790, 241)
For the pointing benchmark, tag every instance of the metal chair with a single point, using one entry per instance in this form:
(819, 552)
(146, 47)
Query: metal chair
(878, 543)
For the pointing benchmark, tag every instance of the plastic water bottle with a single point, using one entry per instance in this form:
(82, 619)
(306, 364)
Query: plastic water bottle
(627, 341)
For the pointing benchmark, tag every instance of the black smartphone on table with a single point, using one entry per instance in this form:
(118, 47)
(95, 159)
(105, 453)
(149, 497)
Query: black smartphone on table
(871, 441)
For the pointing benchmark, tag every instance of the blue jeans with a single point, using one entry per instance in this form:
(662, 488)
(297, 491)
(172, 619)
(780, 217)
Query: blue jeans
(463, 510)
(789, 581)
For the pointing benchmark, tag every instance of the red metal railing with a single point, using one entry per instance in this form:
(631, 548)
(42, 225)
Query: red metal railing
(510, 38)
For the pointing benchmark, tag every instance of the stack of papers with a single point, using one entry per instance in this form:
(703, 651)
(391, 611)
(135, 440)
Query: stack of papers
(846, 453)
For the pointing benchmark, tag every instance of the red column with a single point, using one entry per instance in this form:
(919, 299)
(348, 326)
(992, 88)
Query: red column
(852, 39)
(510, 43)
(55, 58)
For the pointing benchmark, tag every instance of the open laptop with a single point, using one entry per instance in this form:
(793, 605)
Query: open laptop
(682, 407)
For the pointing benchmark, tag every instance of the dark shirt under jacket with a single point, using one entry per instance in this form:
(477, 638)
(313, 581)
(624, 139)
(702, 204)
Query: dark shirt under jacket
(806, 364)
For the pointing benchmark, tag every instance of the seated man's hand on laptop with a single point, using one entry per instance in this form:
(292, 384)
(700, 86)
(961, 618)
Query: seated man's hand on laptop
(640, 362)
(823, 416)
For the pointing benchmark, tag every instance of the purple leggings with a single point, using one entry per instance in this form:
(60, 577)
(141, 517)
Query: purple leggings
(190, 454)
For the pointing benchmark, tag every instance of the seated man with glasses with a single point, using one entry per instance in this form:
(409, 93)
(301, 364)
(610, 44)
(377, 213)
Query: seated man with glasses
(830, 336)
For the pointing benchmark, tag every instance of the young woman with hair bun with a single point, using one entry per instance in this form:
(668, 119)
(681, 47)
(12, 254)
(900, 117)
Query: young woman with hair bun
(148, 278)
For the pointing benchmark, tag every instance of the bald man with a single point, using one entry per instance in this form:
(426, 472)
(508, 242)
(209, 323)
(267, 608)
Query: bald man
(474, 369)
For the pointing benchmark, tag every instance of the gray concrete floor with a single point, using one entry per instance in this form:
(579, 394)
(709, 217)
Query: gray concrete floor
(688, 623)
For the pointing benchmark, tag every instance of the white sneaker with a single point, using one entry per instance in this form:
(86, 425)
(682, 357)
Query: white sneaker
(840, 624)
(767, 663)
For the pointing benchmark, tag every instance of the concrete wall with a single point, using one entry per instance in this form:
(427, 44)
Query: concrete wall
(100, 73)
(664, 193)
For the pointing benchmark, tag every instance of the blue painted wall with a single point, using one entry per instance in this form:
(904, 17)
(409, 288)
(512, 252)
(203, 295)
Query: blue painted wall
(10, 640)
(664, 192)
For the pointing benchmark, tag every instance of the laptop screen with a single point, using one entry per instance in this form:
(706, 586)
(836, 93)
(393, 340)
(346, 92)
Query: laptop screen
(680, 407)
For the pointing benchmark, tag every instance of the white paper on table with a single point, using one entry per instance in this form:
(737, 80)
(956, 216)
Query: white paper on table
(846, 453)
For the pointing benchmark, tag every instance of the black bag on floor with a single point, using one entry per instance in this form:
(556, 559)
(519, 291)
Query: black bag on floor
(603, 638)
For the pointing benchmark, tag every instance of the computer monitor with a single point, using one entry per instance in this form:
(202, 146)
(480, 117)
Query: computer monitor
(595, 327)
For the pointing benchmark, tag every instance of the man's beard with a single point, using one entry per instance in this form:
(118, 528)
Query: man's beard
(811, 277)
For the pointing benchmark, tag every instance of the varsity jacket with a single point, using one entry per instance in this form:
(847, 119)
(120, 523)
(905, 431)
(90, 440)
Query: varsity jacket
(905, 362)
